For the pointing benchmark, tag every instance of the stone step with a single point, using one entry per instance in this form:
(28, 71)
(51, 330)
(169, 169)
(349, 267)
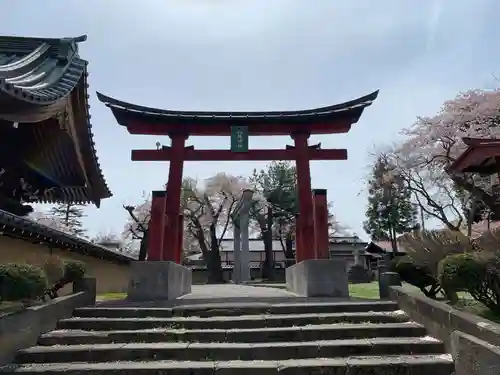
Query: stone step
(304, 333)
(221, 351)
(235, 309)
(224, 322)
(359, 365)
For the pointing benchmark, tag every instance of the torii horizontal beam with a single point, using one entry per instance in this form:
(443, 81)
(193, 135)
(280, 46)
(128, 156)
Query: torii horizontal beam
(190, 154)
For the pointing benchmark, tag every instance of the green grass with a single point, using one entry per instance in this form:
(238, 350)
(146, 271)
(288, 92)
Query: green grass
(111, 296)
(365, 290)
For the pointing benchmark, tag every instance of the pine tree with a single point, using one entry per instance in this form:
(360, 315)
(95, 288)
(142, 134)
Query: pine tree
(70, 216)
(390, 210)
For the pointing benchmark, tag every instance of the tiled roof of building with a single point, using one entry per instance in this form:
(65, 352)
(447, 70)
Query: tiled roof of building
(44, 81)
(29, 230)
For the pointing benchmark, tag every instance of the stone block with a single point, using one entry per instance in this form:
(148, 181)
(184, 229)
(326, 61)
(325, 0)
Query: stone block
(385, 281)
(87, 285)
(318, 278)
(158, 280)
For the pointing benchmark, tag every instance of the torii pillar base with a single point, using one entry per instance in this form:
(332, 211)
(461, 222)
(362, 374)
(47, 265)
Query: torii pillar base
(158, 281)
(318, 278)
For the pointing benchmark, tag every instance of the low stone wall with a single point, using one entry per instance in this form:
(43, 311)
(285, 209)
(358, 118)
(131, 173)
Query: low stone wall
(474, 356)
(473, 341)
(21, 329)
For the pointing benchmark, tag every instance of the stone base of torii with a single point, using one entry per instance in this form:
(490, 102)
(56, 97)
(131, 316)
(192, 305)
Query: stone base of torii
(162, 276)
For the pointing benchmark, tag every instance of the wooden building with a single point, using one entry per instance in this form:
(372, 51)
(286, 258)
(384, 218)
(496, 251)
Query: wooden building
(47, 152)
(47, 155)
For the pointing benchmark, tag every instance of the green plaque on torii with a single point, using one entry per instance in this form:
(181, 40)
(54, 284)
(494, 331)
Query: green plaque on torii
(239, 138)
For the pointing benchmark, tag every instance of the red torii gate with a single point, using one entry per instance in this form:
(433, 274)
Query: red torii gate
(166, 219)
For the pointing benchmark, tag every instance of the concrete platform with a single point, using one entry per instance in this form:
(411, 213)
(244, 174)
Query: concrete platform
(318, 278)
(152, 281)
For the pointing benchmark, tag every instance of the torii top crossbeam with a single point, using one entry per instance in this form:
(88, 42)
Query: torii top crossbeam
(326, 120)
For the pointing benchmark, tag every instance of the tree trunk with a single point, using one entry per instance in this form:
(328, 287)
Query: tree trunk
(289, 253)
(143, 249)
(268, 267)
(66, 215)
(214, 264)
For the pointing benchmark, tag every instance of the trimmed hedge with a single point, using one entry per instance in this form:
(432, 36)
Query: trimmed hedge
(21, 282)
(460, 271)
(477, 273)
(28, 282)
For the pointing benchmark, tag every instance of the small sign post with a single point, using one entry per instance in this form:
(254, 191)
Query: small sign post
(239, 138)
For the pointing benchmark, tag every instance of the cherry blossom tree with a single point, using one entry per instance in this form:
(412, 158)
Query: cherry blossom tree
(434, 143)
(206, 208)
(49, 220)
(136, 228)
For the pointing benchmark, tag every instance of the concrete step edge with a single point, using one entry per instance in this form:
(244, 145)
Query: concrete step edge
(424, 340)
(235, 309)
(444, 361)
(395, 313)
(312, 327)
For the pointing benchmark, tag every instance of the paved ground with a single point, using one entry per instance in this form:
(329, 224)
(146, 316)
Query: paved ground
(235, 291)
(228, 294)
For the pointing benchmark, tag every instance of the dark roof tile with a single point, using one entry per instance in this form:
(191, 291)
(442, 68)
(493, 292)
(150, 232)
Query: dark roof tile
(39, 71)
(12, 223)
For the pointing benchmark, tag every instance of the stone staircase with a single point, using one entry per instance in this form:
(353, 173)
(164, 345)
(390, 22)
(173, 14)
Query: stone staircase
(337, 338)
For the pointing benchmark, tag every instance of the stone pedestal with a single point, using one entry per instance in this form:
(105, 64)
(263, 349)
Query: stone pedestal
(158, 280)
(385, 281)
(88, 285)
(318, 278)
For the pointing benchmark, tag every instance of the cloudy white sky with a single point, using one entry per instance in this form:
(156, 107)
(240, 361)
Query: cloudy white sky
(267, 55)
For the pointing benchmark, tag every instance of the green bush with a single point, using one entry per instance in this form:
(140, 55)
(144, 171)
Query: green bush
(74, 271)
(21, 282)
(477, 273)
(417, 275)
(461, 271)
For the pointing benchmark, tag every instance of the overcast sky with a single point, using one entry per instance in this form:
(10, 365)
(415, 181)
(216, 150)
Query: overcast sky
(267, 55)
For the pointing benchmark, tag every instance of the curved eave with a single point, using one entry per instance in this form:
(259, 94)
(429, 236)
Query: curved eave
(477, 154)
(36, 74)
(100, 188)
(123, 110)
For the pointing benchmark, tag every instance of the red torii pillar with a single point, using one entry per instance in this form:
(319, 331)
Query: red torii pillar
(321, 240)
(305, 222)
(172, 241)
(156, 226)
(166, 223)
(180, 243)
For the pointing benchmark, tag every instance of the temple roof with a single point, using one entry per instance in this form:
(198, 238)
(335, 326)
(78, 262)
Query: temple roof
(43, 91)
(38, 72)
(29, 230)
(479, 157)
(127, 113)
